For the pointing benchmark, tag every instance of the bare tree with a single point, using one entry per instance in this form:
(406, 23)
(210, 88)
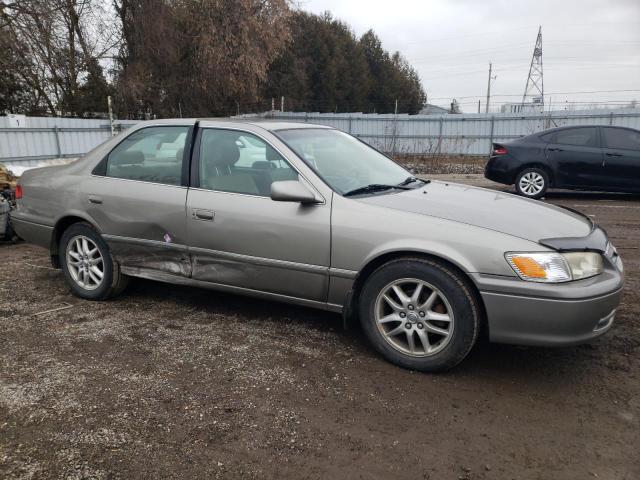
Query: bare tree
(56, 47)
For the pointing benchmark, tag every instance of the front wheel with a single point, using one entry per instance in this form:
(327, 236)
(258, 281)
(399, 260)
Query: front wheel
(87, 264)
(419, 314)
(532, 183)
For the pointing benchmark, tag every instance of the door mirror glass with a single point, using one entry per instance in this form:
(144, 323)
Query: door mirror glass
(291, 191)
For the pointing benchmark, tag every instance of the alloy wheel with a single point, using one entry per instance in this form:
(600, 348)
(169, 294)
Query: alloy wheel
(85, 262)
(531, 183)
(414, 317)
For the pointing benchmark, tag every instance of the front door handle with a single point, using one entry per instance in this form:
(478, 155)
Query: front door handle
(95, 200)
(555, 150)
(613, 154)
(206, 215)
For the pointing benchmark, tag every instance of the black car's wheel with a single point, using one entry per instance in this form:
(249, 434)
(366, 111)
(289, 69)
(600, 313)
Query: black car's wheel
(419, 314)
(532, 183)
(87, 264)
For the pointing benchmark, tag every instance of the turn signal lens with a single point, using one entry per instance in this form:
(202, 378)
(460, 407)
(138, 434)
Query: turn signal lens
(529, 267)
(540, 266)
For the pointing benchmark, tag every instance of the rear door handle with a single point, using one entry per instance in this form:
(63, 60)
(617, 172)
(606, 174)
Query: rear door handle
(613, 154)
(95, 200)
(206, 215)
(555, 150)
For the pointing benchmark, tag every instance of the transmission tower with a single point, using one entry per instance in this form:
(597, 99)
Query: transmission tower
(535, 80)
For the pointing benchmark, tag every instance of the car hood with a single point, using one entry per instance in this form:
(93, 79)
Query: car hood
(503, 212)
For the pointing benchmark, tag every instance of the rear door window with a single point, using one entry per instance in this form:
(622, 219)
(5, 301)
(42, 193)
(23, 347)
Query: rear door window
(621, 138)
(580, 137)
(153, 154)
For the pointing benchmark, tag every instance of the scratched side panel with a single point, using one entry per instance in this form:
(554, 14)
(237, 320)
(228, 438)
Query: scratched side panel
(144, 223)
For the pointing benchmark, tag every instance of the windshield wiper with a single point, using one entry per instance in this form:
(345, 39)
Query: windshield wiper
(375, 187)
(410, 180)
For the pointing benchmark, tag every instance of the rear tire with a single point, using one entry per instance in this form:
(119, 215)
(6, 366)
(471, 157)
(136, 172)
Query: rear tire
(419, 314)
(532, 183)
(87, 264)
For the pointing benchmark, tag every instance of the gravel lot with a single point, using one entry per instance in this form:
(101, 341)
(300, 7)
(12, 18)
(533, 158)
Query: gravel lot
(172, 382)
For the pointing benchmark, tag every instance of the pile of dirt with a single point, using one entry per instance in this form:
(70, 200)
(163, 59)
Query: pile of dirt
(6, 177)
(443, 164)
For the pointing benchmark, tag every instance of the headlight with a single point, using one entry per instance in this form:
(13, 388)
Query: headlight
(551, 267)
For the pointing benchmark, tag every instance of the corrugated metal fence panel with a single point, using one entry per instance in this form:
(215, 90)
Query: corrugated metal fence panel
(49, 137)
(471, 134)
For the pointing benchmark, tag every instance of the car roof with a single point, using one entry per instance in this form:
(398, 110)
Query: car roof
(266, 123)
(568, 127)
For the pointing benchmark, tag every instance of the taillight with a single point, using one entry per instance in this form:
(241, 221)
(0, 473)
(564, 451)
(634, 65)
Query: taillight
(18, 192)
(499, 150)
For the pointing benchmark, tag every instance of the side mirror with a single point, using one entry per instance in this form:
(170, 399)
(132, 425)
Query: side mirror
(291, 191)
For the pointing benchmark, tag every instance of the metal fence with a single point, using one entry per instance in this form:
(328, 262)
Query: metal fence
(26, 141)
(465, 134)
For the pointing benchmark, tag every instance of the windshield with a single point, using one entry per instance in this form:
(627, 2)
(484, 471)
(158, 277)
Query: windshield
(344, 162)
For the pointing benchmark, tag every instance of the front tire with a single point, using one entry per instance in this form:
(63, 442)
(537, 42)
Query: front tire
(532, 183)
(419, 314)
(87, 265)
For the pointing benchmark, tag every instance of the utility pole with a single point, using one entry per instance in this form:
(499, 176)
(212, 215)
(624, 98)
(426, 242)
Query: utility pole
(486, 108)
(478, 106)
(273, 104)
(282, 104)
(110, 115)
(396, 109)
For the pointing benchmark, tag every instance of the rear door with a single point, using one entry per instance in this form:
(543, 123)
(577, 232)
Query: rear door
(621, 158)
(576, 156)
(137, 196)
(237, 235)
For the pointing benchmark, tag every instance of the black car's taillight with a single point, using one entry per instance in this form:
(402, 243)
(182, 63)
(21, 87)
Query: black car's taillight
(499, 150)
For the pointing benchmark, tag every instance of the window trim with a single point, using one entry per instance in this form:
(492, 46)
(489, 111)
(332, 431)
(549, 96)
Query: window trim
(100, 170)
(195, 163)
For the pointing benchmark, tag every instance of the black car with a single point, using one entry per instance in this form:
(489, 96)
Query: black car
(583, 158)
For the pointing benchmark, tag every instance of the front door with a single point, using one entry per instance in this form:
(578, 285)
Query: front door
(238, 236)
(577, 157)
(137, 197)
(622, 158)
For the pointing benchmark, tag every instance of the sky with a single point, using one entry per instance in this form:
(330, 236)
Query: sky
(588, 46)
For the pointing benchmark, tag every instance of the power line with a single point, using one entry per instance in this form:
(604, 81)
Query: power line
(548, 93)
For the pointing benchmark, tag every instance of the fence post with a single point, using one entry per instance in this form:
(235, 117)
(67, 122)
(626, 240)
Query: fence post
(439, 148)
(56, 132)
(493, 120)
(350, 118)
(611, 118)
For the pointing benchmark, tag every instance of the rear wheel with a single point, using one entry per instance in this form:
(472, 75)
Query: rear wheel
(532, 183)
(419, 314)
(87, 264)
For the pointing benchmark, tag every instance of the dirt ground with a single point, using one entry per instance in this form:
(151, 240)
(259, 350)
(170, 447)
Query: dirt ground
(173, 382)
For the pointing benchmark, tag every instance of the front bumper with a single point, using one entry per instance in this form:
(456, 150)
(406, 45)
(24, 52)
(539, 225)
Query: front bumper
(525, 313)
